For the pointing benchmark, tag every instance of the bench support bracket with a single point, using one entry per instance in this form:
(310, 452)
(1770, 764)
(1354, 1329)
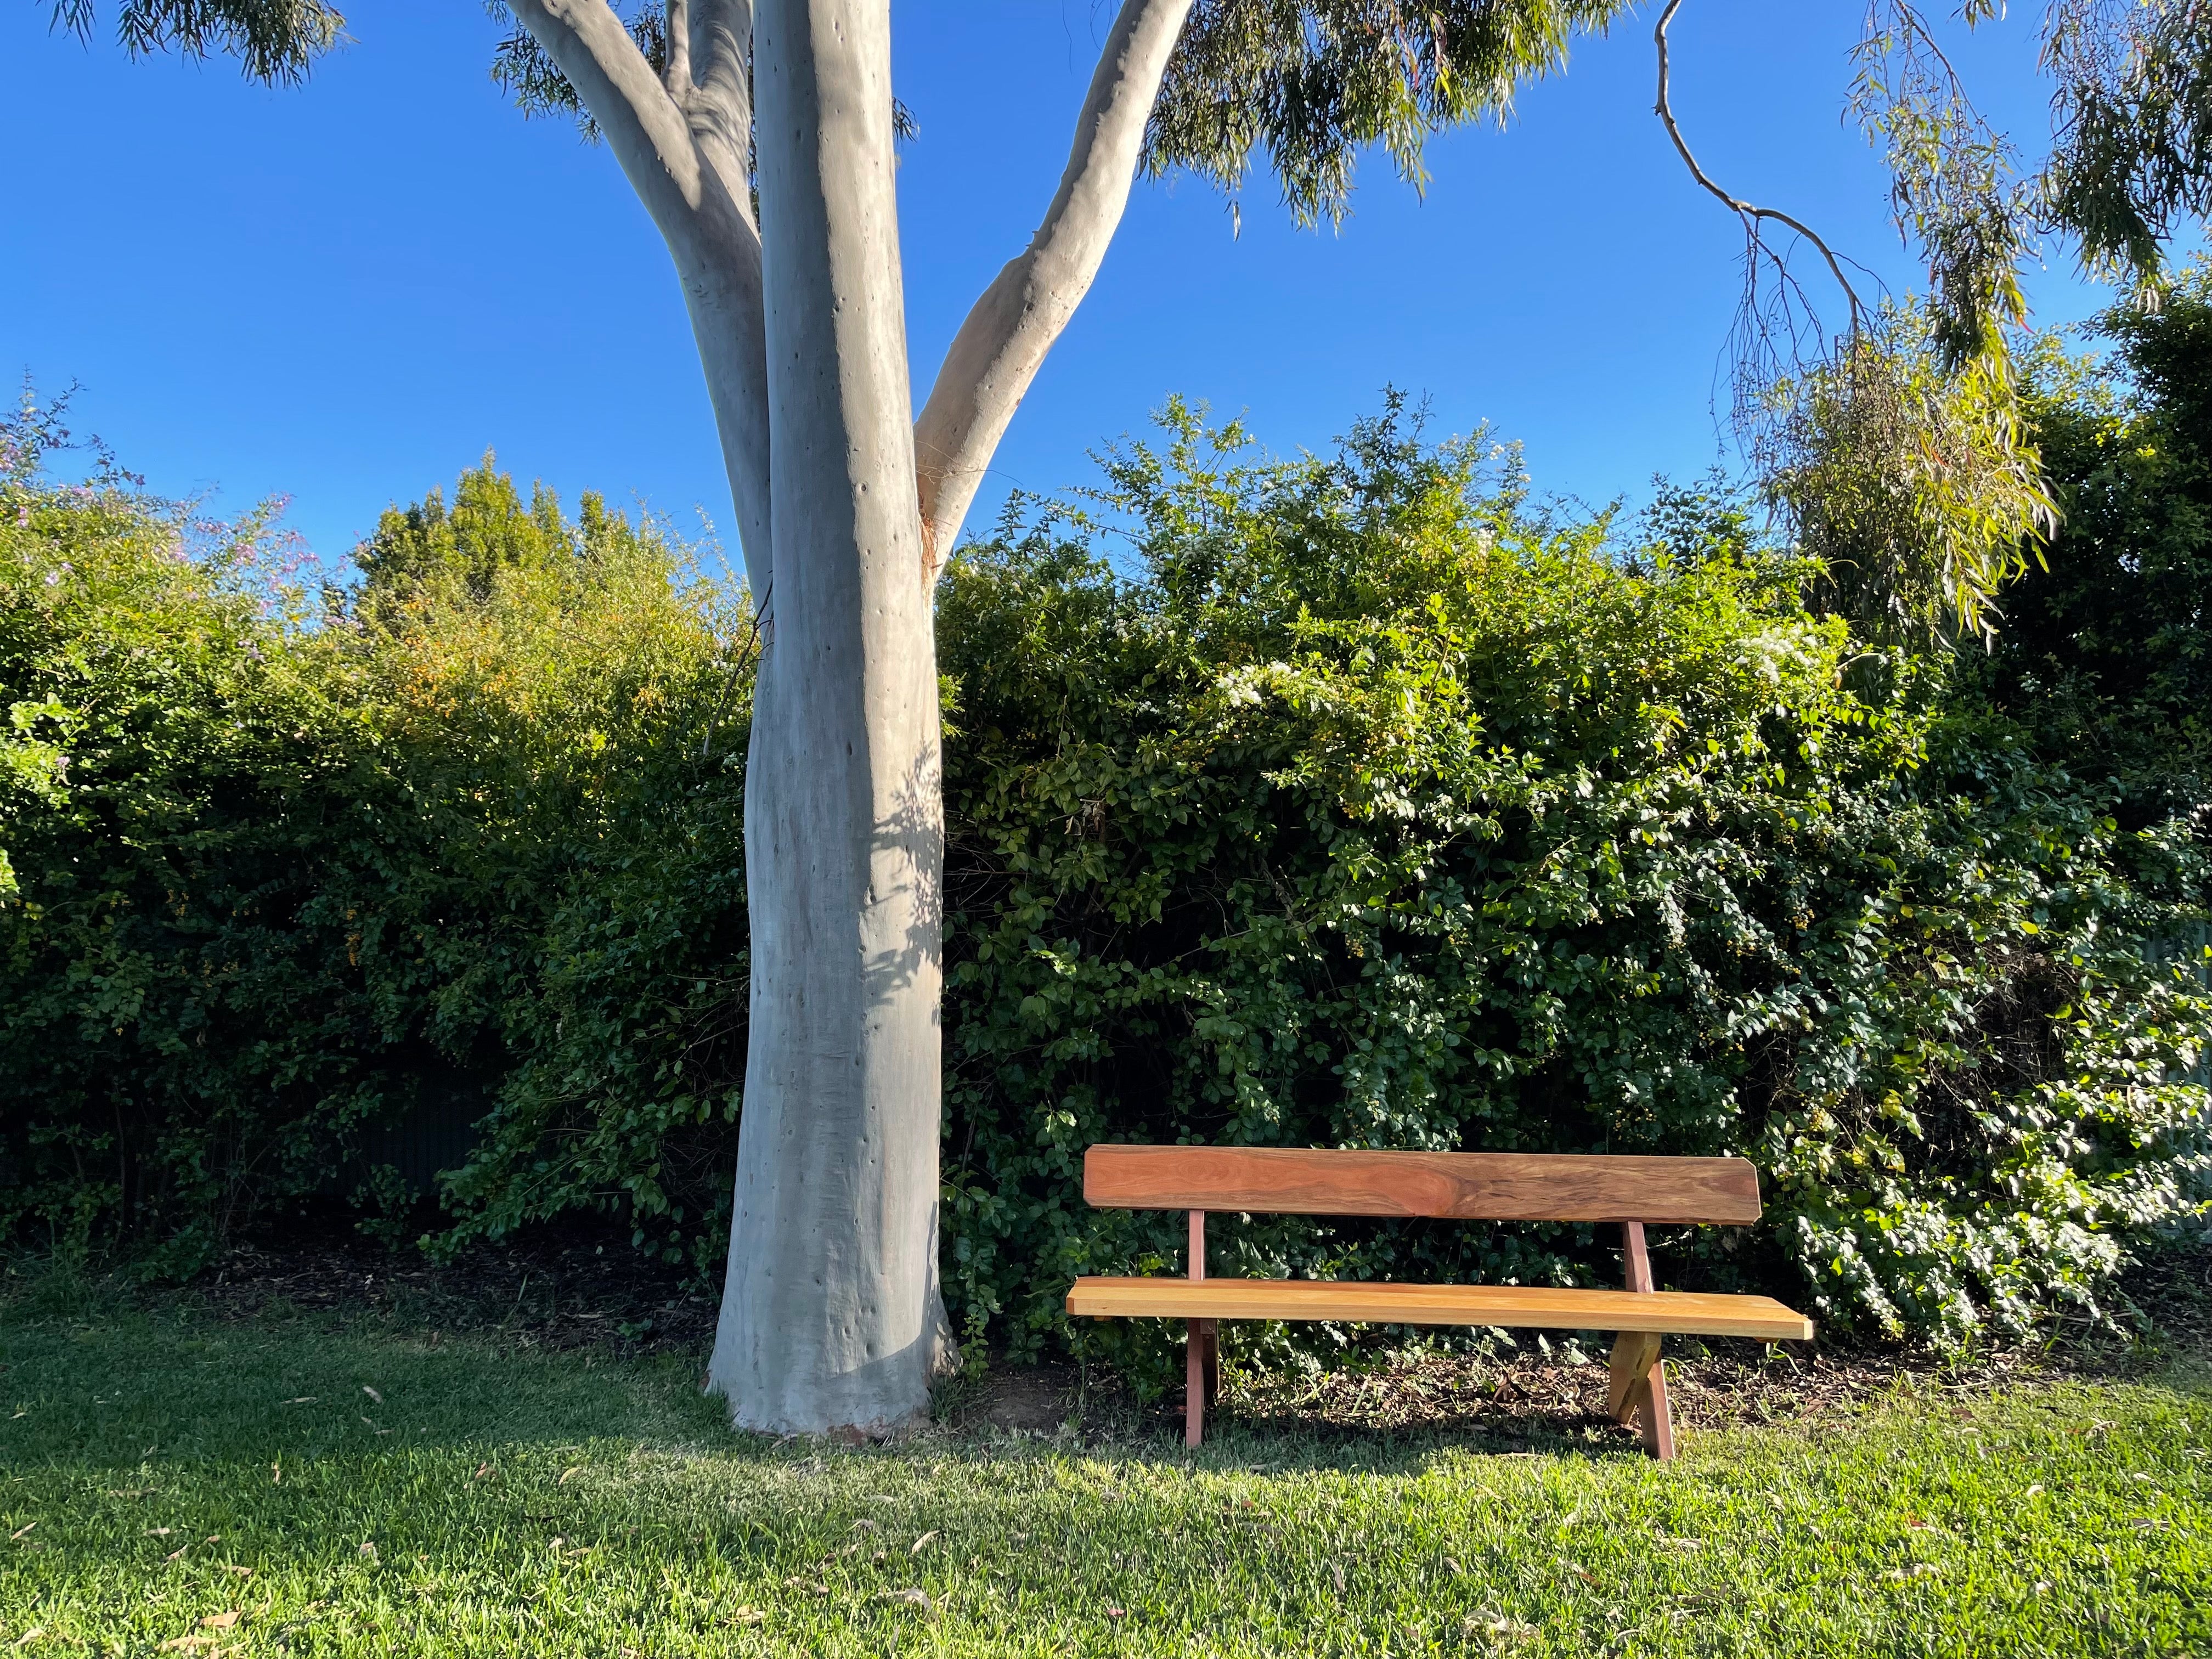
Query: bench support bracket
(1636, 1392)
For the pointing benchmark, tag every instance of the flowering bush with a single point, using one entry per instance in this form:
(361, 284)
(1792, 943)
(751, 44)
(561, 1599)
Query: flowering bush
(1364, 806)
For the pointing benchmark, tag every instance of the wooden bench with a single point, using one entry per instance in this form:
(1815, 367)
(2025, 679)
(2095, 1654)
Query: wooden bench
(1459, 1186)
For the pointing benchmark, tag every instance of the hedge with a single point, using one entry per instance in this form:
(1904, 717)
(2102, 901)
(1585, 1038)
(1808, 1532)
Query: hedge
(1347, 800)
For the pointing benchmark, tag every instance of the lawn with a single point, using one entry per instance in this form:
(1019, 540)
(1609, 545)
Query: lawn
(178, 1481)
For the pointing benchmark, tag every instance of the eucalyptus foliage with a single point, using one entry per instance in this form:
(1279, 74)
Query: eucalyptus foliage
(2131, 161)
(273, 40)
(1899, 442)
(1916, 488)
(2126, 170)
(1309, 82)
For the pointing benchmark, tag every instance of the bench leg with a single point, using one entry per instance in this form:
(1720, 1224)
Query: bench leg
(1658, 1425)
(1637, 1391)
(1194, 1393)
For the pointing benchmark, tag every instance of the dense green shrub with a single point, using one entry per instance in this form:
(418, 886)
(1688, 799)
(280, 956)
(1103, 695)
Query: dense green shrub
(570, 708)
(178, 1029)
(1369, 808)
(281, 859)
(1355, 800)
(2106, 654)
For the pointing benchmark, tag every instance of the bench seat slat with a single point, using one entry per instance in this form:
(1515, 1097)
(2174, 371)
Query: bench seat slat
(1527, 1306)
(1458, 1185)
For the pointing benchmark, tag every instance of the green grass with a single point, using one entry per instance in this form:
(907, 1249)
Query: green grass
(159, 1468)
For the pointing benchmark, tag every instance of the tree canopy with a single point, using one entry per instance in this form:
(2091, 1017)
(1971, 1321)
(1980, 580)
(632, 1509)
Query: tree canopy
(1299, 89)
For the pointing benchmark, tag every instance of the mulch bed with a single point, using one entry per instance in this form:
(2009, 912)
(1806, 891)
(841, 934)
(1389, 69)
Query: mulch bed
(557, 1294)
(1530, 1390)
(1528, 1393)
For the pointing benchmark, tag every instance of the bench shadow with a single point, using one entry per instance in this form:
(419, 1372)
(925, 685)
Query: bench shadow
(1385, 1419)
(1287, 1441)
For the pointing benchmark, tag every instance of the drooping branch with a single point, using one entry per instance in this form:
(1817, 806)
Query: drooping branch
(1955, 185)
(1002, 345)
(1752, 215)
(1310, 84)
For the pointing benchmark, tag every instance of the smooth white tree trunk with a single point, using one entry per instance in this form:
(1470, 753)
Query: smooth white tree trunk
(831, 1315)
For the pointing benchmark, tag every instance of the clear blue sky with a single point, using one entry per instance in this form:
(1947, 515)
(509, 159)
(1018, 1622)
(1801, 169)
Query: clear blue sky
(346, 292)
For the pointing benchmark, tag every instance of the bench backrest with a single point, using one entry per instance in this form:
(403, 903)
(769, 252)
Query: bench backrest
(1460, 1185)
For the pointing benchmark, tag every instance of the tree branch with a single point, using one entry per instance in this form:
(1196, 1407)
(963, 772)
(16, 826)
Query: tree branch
(1002, 345)
(1752, 214)
(643, 126)
(676, 74)
(702, 209)
(721, 105)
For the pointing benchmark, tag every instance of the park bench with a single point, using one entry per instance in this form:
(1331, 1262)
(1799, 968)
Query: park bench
(1458, 1185)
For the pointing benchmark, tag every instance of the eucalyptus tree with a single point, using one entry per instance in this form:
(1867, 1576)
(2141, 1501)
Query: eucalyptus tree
(760, 138)
(759, 135)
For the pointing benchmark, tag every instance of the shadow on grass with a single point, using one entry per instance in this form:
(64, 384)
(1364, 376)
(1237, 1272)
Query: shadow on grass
(117, 1382)
(344, 1482)
(379, 1355)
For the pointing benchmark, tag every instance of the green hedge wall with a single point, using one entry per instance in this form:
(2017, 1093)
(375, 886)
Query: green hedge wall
(1345, 801)
(1365, 805)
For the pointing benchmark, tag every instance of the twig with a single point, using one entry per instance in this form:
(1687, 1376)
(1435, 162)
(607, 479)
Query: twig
(1749, 212)
(752, 635)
